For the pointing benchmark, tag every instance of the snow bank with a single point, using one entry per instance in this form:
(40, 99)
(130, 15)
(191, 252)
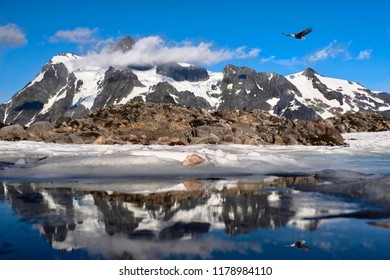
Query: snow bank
(367, 152)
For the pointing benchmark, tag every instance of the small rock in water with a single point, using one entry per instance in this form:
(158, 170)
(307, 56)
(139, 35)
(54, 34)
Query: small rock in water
(193, 159)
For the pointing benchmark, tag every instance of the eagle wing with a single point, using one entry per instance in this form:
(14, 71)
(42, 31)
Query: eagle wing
(303, 33)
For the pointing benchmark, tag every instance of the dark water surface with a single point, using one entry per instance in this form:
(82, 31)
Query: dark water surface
(226, 218)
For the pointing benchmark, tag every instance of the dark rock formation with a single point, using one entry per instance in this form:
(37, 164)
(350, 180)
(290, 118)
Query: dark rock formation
(115, 83)
(30, 100)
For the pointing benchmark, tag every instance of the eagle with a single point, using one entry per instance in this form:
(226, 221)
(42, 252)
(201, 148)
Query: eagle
(300, 35)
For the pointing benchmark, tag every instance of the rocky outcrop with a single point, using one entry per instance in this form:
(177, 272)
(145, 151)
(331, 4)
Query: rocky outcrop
(114, 84)
(169, 124)
(360, 122)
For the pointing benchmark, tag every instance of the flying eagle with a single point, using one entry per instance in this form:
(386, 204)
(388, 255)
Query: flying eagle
(300, 34)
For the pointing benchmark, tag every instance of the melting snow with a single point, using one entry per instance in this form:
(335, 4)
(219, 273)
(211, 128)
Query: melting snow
(111, 161)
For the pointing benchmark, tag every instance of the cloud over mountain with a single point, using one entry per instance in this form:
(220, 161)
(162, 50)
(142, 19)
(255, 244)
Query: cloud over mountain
(154, 50)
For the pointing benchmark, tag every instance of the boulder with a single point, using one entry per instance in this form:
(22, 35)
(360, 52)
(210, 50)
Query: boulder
(193, 159)
(13, 133)
(40, 131)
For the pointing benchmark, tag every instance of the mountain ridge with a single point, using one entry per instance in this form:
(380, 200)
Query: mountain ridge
(67, 86)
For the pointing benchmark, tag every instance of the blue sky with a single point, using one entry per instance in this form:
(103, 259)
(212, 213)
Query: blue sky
(350, 40)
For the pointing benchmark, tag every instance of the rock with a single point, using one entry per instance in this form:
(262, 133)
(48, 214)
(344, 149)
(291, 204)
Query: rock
(40, 130)
(360, 122)
(209, 139)
(192, 160)
(101, 140)
(175, 141)
(60, 138)
(76, 139)
(278, 140)
(13, 133)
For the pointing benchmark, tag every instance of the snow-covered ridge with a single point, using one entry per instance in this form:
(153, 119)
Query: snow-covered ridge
(352, 97)
(67, 85)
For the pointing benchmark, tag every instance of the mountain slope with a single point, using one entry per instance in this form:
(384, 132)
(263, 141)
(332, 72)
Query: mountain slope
(330, 97)
(66, 87)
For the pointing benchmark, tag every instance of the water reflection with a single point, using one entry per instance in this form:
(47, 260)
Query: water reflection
(205, 219)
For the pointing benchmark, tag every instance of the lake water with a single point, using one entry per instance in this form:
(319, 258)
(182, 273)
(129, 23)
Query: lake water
(249, 221)
(243, 203)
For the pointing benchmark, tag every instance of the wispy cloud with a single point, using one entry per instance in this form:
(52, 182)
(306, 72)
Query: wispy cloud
(154, 50)
(291, 63)
(12, 35)
(364, 54)
(332, 50)
(267, 59)
(79, 35)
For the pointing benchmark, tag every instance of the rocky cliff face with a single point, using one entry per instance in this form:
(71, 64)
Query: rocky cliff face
(65, 87)
(244, 88)
(50, 94)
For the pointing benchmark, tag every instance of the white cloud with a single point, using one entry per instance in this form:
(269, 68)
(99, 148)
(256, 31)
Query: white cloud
(154, 50)
(80, 35)
(365, 54)
(267, 59)
(330, 51)
(11, 34)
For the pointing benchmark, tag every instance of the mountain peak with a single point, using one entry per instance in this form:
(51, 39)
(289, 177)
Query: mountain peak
(63, 57)
(309, 72)
(124, 44)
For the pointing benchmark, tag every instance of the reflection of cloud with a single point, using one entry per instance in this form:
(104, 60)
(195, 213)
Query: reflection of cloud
(364, 54)
(115, 246)
(154, 50)
(11, 34)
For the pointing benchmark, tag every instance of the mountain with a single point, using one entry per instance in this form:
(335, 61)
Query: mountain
(66, 87)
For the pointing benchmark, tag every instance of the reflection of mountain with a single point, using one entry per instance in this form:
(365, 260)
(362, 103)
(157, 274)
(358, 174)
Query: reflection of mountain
(119, 225)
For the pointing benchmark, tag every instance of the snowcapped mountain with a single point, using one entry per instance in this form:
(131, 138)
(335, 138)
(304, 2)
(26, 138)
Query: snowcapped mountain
(330, 96)
(68, 86)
